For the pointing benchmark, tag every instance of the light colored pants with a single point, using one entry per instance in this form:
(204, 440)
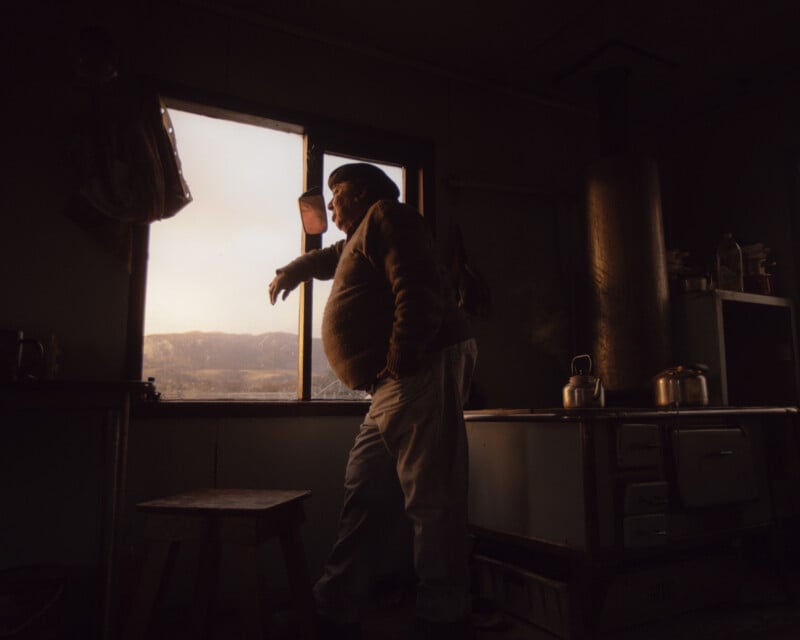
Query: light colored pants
(410, 451)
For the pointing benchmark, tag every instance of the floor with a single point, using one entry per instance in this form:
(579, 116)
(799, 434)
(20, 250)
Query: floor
(766, 615)
(763, 603)
(765, 609)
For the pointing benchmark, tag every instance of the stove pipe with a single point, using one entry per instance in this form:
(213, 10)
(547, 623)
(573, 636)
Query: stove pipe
(628, 287)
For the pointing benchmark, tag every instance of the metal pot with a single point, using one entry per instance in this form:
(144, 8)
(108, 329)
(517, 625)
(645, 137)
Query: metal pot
(695, 283)
(683, 385)
(583, 389)
(16, 362)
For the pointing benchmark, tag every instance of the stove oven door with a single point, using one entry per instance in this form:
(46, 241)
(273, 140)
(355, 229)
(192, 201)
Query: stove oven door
(714, 466)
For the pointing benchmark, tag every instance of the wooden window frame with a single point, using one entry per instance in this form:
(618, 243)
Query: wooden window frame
(321, 137)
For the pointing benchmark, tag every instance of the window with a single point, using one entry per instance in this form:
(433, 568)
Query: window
(209, 330)
(324, 383)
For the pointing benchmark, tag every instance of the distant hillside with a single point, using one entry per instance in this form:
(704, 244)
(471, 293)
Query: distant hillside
(200, 350)
(215, 365)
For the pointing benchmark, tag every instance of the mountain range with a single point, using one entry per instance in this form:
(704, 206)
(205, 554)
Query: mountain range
(217, 365)
(217, 350)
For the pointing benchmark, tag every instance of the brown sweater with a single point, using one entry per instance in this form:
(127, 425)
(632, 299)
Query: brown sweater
(389, 306)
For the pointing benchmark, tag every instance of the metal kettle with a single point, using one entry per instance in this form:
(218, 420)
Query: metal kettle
(583, 389)
(681, 385)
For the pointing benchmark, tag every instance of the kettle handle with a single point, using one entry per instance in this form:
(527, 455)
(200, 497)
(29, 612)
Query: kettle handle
(35, 343)
(583, 355)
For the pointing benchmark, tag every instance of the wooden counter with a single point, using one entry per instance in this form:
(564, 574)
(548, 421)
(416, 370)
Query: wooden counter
(62, 455)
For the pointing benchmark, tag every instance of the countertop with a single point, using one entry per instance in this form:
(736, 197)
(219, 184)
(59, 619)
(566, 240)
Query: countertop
(69, 394)
(617, 413)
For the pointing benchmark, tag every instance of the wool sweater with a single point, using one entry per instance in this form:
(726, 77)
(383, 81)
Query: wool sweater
(389, 306)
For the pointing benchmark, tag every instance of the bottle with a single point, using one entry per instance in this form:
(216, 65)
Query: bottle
(729, 264)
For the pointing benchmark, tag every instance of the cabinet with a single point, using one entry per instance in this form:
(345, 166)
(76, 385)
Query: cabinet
(62, 464)
(747, 340)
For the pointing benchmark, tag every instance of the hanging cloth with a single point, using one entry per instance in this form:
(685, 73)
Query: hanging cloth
(128, 155)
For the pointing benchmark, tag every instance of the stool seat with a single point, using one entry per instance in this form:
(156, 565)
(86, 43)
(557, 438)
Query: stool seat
(243, 518)
(218, 501)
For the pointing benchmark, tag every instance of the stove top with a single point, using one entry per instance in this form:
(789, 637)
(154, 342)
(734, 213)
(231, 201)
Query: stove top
(615, 413)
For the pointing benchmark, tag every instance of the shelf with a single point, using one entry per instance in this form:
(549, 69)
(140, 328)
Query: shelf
(737, 296)
(747, 341)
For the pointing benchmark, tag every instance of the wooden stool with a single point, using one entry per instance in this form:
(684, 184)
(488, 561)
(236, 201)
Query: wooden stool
(243, 518)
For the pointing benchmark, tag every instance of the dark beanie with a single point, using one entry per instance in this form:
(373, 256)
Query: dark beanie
(376, 183)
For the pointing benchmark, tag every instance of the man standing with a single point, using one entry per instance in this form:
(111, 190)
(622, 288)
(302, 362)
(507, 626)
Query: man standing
(392, 327)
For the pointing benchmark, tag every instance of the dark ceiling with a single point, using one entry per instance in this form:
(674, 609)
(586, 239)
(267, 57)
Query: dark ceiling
(679, 55)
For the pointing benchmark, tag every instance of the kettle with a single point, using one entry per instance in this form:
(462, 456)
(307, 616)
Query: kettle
(583, 389)
(15, 362)
(681, 385)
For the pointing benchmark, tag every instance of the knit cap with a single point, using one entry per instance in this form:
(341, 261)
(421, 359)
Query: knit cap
(368, 176)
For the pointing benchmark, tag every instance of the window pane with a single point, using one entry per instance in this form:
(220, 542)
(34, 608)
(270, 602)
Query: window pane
(210, 332)
(324, 383)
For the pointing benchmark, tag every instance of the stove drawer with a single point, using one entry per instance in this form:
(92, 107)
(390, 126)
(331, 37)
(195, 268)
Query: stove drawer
(714, 466)
(646, 497)
(645, 531)
(638, 445)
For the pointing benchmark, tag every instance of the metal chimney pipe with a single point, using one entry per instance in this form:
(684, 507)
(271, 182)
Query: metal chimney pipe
(629, 294)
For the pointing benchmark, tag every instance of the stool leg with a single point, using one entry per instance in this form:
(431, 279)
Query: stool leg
(205, 587)
(252, 599)
(294, 557)
(155, 573)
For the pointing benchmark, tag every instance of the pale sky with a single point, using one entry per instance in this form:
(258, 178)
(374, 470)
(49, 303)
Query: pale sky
(210, 264)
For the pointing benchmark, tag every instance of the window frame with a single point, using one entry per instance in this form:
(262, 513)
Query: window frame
(321, 136)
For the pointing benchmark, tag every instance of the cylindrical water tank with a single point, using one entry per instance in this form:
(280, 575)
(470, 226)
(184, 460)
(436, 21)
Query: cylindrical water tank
(628, 287)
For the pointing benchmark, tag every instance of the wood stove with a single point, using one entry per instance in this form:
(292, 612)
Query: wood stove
(636, 513)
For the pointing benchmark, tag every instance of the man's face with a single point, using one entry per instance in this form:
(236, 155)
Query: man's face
(348, 205)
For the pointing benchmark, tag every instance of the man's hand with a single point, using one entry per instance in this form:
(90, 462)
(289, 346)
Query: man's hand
(281, 282)
(384, 373)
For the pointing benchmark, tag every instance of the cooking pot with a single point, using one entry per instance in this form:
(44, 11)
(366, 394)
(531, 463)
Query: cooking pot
(681, 385)
(695, 283)
(14, 355)
(583, 389)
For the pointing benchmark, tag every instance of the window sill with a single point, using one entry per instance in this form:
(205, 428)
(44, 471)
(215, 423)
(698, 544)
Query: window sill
(239, 409)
